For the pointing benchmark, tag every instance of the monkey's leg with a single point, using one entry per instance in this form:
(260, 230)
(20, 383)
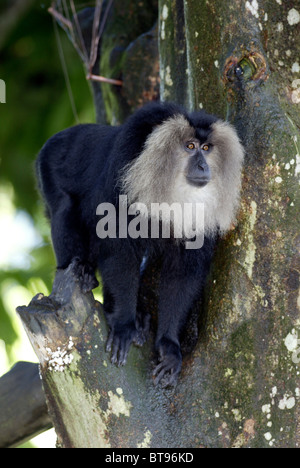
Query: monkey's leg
(71, 243)
(120, 270)
(181, 284)
(143, 317)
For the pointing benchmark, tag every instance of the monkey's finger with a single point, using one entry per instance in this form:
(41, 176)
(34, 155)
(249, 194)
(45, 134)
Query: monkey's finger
(159, 377)
(140, 338)
(164, 364)
(170, 379)
(159, 372)
(109, 341)
(123, 353)
(115, 350)
(158, 368)
(143, 323)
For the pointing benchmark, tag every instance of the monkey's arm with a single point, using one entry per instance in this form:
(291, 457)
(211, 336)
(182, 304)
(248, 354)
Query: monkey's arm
(70, 170)
(120, 270)
(72, 242)
(182, 280)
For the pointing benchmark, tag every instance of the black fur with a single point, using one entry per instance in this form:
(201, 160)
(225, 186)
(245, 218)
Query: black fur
(77, 170)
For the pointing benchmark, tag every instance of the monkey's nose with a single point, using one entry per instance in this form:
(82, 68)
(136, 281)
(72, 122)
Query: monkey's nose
(203, 166)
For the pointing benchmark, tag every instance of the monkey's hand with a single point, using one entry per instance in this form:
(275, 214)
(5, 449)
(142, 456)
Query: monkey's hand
(85, 274)
(119, 340)
(170, 361)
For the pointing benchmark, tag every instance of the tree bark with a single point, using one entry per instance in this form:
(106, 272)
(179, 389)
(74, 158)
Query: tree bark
(240, 385)
(249, 352)
(129, 52)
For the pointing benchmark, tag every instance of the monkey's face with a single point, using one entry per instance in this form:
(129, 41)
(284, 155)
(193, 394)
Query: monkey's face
(198, 172)
(196, 159)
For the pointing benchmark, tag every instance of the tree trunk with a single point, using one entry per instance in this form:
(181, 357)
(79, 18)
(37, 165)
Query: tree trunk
(240, 386)
(129, 52)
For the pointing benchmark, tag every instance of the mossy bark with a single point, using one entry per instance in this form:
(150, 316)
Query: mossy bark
(240, 386)
(242, 62)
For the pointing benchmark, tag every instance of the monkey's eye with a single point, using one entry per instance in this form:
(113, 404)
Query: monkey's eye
(205, 147)
(191, 146)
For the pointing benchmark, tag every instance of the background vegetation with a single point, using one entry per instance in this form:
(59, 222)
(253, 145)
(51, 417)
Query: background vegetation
(37, 106)
(240, 387)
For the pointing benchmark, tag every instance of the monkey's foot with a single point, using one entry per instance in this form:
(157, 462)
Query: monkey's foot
(85, 274)
(119, 340)
(170, 362)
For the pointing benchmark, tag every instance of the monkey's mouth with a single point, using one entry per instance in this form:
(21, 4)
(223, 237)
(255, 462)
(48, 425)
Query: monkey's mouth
(198, 181)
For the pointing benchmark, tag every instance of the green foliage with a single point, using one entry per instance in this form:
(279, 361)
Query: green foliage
(37, 106)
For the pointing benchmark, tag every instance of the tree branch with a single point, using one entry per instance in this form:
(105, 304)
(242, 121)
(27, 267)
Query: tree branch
(23, 410)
